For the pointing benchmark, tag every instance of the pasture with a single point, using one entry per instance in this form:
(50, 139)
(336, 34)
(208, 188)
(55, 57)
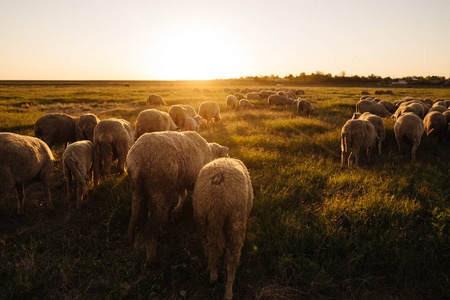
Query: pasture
(315, 231)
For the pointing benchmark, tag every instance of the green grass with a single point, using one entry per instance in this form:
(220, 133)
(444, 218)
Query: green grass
(315, 231)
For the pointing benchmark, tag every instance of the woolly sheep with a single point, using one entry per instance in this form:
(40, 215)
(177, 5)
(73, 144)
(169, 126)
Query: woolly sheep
(375, 108)
(404, 109)
(159, 164)
(438, 108)
(155, 100)
(222, 200)
(299, 92)
(409, 126)
(84, 127)
(151, 120)
(56, 128)
(232, 102)
(365, 93)
(390, 107)
(253, 96)
(278, 100)
(192, 124)
(304, 108)
(180, 112)
(239, 96)
(356, 135)
(245, 104)
(447, 115)
(77, 164)
(209, 110)
(112, 139)
(377, 123)
(24, 159)
(435, 124)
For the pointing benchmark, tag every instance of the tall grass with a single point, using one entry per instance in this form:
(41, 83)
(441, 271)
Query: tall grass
(316, 230)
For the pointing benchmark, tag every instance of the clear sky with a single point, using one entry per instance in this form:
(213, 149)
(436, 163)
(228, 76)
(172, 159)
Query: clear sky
(207, 39)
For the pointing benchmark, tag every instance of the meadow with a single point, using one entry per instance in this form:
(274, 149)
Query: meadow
(316, 230)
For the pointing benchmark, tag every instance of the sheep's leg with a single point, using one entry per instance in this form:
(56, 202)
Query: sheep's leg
(136, 205)
(47, 197)
(379, 147)
(20, 198)
(156, 224)
(215, 246)
(181, 197)
(121, 161)
(107, 156)
(232, 256)
(97, 165)
(69, 184)
(413, 151)
(399, 143)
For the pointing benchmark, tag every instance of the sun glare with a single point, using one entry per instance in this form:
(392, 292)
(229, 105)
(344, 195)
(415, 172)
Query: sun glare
(194, 52)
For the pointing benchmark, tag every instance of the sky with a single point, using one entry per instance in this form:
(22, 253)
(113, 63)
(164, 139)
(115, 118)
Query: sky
(208, 39)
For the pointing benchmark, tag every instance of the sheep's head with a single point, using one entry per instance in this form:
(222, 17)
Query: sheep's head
(218, 150)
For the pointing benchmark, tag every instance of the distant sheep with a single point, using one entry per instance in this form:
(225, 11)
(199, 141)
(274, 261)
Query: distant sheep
(356, 135)
(159, 164)
(232, 102)
(375, 108)
(239, 96)
(278, 100)
(304, 108)
(112, 139)
(299, 92)
(210, 110)
(77, 162)
(222, 200)
(151, 120)
(365, 93)
(435, 124)
(24, 159)
(245, 104)
(85, 126)
(253, 96)
(56, 128)
(155, 100)
(409, 126)
(377, 123)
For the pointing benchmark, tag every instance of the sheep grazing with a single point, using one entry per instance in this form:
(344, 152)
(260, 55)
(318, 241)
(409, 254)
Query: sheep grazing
(365, 93)
(112, 139)
(409, 126)
(299, 92)
(151, 120)
(179, 113)
(253, 96)
(377, 123)
(192, 124)
(210, 110)
(373, 107)
(222, 200)
(85, 126)
(278, 100)
(155, 100)
(239, 96)
(435, 124)
(159, 164)
(232, 102)
(245, 104)
(390, 107)
(403, 109)
(304, 108)
(56, 128)
(356, 135)
(24, 159)
(77, 164)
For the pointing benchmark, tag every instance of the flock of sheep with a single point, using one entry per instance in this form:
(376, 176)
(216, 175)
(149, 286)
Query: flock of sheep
(413, 117)
(163, 154)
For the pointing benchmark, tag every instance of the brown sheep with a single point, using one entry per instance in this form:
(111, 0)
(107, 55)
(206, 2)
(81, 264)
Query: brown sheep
(304, 108)
(56, 128)
(85, 126)
(435, 124)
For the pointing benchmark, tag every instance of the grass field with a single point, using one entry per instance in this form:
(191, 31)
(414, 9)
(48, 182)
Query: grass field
(316, 230)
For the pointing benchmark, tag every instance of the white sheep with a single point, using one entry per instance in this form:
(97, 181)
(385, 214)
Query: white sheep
(77, 164)
(304, 107)
(253, 96)
(155, 100)
(245, 104)
(210, 110)
(192, 124)
(278, 100)
(356, 135)
(435, 124)
(222, 200)
(377, 122)
(409, 126)
(179, 113)
(112, 139)
(159, 164)
(24, 159)
(151, 120)
(56, 128)
(85, 126)
(373, 107)
(232, 102)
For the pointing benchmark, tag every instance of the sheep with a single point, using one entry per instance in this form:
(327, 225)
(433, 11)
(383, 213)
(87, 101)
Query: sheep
(23, 159)
(377, 123)
(447, 115)
(209, 110)
(239, 96)
(404, 109)
(253, 96)
(245, 104)
(390, 107)
(365, 93)
(299, 92)
(304, 108)
(435, 124)
(158, 164)
(77, 164)
(409, 126)
(438, 108)
(179, 113)
(84, 127)
(356, 135)
(278, 100)
(232, 102)
(151, 120)
(157, 100)
(192, 124)
(222, 201)
(266, 93)
(112, 139)
(56, 128)
(375, 108)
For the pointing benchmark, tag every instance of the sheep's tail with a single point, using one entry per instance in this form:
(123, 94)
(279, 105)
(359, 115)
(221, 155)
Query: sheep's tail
(71, 164)
(431, 132)
(107, 155)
